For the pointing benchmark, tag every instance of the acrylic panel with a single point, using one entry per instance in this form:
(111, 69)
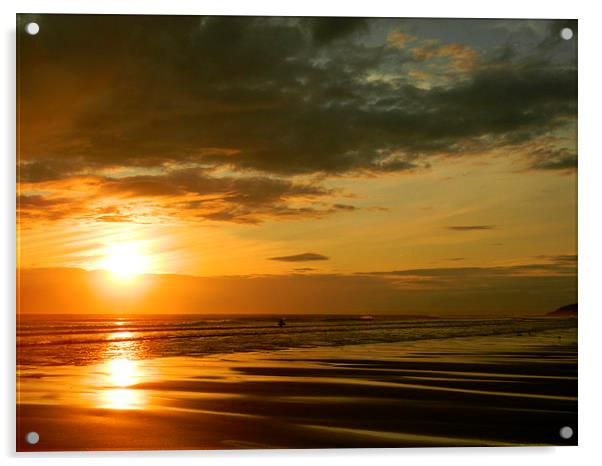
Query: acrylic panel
(280, 232)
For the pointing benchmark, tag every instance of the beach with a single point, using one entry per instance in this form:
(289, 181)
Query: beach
(295, 232)
(491, 390)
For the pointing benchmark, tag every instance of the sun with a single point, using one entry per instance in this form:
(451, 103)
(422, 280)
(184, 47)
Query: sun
(124, 260)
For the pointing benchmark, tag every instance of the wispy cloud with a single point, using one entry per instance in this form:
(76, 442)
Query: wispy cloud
(462, 276)
(470, 227)
(305, 257)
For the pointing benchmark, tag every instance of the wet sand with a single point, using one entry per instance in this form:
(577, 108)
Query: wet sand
(476, 391)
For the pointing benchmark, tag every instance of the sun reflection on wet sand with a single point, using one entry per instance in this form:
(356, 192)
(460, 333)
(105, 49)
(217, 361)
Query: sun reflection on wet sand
(123, 372)
(119, 373)
(122, 398)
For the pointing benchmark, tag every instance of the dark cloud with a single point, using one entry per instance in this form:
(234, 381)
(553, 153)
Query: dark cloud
(305, 257)
(261, 90)
(46, 169)
(326, 30)
(554, 160)
(343, 207)
(267, 99)
(227, 198)
(470, 227)
(560, 258)
(188, 193)
(39, 207)
(553, 33)
(244, 190)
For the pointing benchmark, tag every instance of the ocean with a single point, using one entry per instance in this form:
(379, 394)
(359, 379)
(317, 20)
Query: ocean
(47, 340)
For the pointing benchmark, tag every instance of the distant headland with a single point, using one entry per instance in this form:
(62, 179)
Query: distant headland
(570, 310)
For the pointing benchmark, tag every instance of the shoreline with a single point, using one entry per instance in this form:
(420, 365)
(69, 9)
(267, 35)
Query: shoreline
(88, 346)
(496, 390)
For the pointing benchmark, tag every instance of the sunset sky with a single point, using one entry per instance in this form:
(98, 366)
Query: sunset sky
(224, 164)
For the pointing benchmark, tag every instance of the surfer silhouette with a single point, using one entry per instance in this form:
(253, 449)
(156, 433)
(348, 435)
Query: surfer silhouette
(281, 323)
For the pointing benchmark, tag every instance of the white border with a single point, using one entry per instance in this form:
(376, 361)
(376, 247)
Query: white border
(590, 225)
